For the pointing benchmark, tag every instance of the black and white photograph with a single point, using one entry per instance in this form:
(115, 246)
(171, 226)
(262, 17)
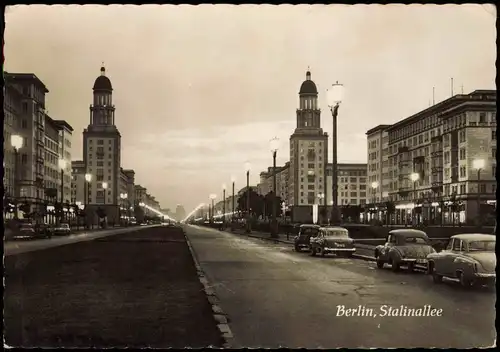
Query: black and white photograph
(222, 176)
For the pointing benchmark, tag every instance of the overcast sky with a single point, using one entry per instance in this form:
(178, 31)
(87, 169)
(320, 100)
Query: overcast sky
(199, 90)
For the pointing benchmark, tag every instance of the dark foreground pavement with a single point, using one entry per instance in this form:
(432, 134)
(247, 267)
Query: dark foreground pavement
(137, 289)
(276, 297)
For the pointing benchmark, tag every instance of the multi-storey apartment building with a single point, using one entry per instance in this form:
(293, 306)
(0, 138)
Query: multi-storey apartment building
(378, 163)
(38, 159)
(282, 182)
(352, 184)
(24, 108)
(58, 136)
(434, 157)
(78, 182)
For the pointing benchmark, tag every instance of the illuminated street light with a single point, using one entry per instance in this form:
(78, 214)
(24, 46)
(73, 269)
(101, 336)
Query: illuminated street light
(479, 165)
(334, 96)
(17, 143)
(274, 145)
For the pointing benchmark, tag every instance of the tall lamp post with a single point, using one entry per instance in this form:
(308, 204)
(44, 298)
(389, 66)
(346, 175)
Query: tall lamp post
(62, 166)
(247, 169)
(88, 179)
(212, 198)
(105, 188)
(334, 96)
(374, 197)
(414, 177)
(478, 164)
(274, 145)
(233, 180)
(223, 205)
(321, 197)
(17, 143)
(123, 197)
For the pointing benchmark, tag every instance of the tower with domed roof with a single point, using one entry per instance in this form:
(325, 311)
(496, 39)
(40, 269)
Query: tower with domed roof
(102, 150)
(308, 154)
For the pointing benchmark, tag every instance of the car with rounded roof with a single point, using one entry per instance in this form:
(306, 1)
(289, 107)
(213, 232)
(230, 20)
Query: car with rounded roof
(332, 239)
(470, 258)
(404, 247)
(302, 240)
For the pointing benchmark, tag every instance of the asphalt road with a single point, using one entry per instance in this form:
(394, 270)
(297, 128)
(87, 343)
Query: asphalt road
(275, 297)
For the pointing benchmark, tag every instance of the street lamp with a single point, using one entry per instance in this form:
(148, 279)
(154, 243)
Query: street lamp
(274, 145)
(321, 197)
(478, 164)
(223, 205)
(212, 198)
(123, 196)
(374, 197)
(88, 179)
(233, 180)
(105, 187)
(17, 143)
(334, 96)
(414, 177)
(247, 169)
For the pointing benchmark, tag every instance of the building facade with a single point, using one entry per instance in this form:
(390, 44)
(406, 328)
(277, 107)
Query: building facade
(308, 152)
(36, 174)
(378, 163)
(24, 110)
(102, 150)
(352, 184)
(78, 182)
(433, 158)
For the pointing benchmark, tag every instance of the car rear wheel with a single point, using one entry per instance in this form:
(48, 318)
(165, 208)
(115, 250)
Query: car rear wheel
(395, 265)
(297, 249)
(380, 263)
(436, 278)
(322, 252)
(313, 251)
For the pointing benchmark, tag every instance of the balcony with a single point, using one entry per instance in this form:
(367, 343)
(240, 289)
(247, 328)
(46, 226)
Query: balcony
(419, 159)
(437, 154)
(403, 150)
(437, 187)
(436, 169)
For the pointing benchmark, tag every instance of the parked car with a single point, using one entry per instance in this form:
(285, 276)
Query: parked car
(470, 258)
(302, 240)
(407, 247)
(44, 230)
(62, 229)
(25, 230)
(332, 239)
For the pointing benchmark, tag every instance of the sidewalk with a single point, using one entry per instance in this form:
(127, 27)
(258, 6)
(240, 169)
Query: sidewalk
(139, 289)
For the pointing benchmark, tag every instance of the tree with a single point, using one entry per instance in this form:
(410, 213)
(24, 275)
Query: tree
(256, 202)
(390, 208)
(268, 204)
(138, 214)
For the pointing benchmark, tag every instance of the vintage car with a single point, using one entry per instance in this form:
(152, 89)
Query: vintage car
(470, 258)
(44, 230)
(332, 239)
(407, 247)
(25, 230)
(301, 241)
(62, 229)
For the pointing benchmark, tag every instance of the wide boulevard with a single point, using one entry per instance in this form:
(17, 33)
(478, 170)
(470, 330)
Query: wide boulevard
(276, 297)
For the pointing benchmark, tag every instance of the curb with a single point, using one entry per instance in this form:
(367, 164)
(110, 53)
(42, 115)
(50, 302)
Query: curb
(219, 316)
